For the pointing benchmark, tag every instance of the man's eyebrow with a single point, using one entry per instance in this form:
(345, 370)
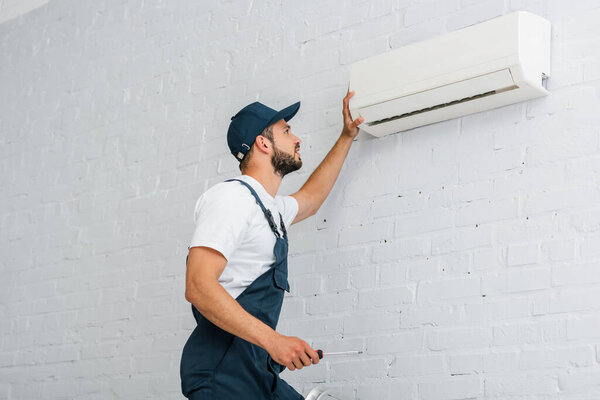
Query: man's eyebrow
(287, 127)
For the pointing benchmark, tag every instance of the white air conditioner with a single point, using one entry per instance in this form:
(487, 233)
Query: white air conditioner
(501, 61)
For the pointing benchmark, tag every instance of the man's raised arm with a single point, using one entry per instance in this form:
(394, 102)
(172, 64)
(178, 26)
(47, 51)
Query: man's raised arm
(316, 189)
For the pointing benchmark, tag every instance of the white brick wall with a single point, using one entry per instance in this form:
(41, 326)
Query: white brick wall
(462, 258)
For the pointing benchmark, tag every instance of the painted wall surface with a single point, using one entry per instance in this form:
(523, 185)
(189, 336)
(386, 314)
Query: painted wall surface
(10, 9)
(462, 258)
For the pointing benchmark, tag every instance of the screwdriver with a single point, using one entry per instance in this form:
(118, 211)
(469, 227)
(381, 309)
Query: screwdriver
(338, 353)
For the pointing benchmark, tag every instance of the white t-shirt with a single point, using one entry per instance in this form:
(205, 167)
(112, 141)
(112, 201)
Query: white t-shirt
(229, 220)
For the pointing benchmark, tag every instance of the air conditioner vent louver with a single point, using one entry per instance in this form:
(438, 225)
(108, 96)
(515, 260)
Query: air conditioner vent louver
(424, 110)
(481, 67)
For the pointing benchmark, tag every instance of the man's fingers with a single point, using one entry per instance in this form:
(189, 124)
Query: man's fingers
(313, 355)
(297, 363)
(345, 109)
(305, 360)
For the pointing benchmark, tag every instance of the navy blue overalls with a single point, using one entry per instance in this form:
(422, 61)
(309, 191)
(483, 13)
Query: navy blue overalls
(218, 365)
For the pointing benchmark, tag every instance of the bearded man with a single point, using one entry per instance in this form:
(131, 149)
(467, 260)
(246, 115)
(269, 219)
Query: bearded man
(237, 260)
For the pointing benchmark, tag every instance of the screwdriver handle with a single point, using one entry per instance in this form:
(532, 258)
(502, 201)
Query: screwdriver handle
(320, 353)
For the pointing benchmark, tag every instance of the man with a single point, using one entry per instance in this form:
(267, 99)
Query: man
(237, 261)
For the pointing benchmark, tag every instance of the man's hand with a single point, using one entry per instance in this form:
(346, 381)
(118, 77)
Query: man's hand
(350, 127)
(292, 352)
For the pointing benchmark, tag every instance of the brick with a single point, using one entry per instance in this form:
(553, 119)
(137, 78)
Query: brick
(458, 338)
(575, 274)
(508, 385)
(430, 9)
(560, 200)
(424, 222)
(336, 281)
(387, 390)
(523, 254)
(495, 163)
(579, 381)
(556, 358)
(385, 297)
(406, 342)
(336, 259)
(404, 366)
(457, 388)
(488, 258)
(500, 308)
(481, 211)
(515, 281)
(336, 302)
(585, 327)
(590, 246)
(429, 315)
(313, 327)
(357, 369)
(377, 231)
(567, 300)
(529, 332)
(448, 289)
(465, 364)
(299, 265)
(401, 248)
(559, 250)
(361, 278)
(392, 274)
(398, 204)
(461, 239)
(373, 321)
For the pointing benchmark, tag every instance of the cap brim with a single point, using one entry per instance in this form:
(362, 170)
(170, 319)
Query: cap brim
(286, 114)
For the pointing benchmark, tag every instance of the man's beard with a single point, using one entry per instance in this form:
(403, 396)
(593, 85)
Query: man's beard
(284, 163)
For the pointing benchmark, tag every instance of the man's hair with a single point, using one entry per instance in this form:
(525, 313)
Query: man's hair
(267, 133)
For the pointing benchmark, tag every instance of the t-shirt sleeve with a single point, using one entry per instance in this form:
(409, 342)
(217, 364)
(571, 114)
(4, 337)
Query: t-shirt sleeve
(288, 206)
(222, 216)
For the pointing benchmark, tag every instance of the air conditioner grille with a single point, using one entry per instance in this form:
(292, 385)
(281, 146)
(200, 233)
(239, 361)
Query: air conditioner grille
(443, 105)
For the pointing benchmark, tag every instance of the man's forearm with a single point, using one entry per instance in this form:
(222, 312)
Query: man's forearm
(321, 181)
(225, 312)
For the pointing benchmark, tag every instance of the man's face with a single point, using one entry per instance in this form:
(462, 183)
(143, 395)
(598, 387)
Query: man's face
(286, 149)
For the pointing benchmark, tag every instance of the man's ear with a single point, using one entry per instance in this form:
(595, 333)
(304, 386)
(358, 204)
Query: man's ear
(262, 143)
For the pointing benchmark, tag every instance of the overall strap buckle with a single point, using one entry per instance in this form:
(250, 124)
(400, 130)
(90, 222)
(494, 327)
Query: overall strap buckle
(271, 221)
(282, 226)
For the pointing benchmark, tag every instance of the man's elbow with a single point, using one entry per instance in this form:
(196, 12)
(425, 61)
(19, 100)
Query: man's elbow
(199, 295)
(189, 295)
(193, 294)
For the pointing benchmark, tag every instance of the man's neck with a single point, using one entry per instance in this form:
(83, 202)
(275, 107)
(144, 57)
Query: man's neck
(268, 179)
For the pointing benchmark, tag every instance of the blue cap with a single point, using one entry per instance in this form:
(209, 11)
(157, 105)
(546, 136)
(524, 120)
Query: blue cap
(250, 121)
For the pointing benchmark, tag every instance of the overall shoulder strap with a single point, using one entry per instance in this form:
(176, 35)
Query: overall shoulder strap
(267, 212)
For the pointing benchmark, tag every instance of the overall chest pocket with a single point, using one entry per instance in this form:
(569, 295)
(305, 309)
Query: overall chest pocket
(280, 280)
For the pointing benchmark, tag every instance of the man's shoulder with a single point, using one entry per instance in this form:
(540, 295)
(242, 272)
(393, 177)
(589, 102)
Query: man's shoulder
(231, 192)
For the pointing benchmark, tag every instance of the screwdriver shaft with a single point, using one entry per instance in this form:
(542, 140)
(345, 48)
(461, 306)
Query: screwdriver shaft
(342, 353)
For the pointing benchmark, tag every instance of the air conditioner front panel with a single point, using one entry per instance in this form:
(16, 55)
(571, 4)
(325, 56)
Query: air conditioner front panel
(438, 97)
(483, 103)
(379, 86)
